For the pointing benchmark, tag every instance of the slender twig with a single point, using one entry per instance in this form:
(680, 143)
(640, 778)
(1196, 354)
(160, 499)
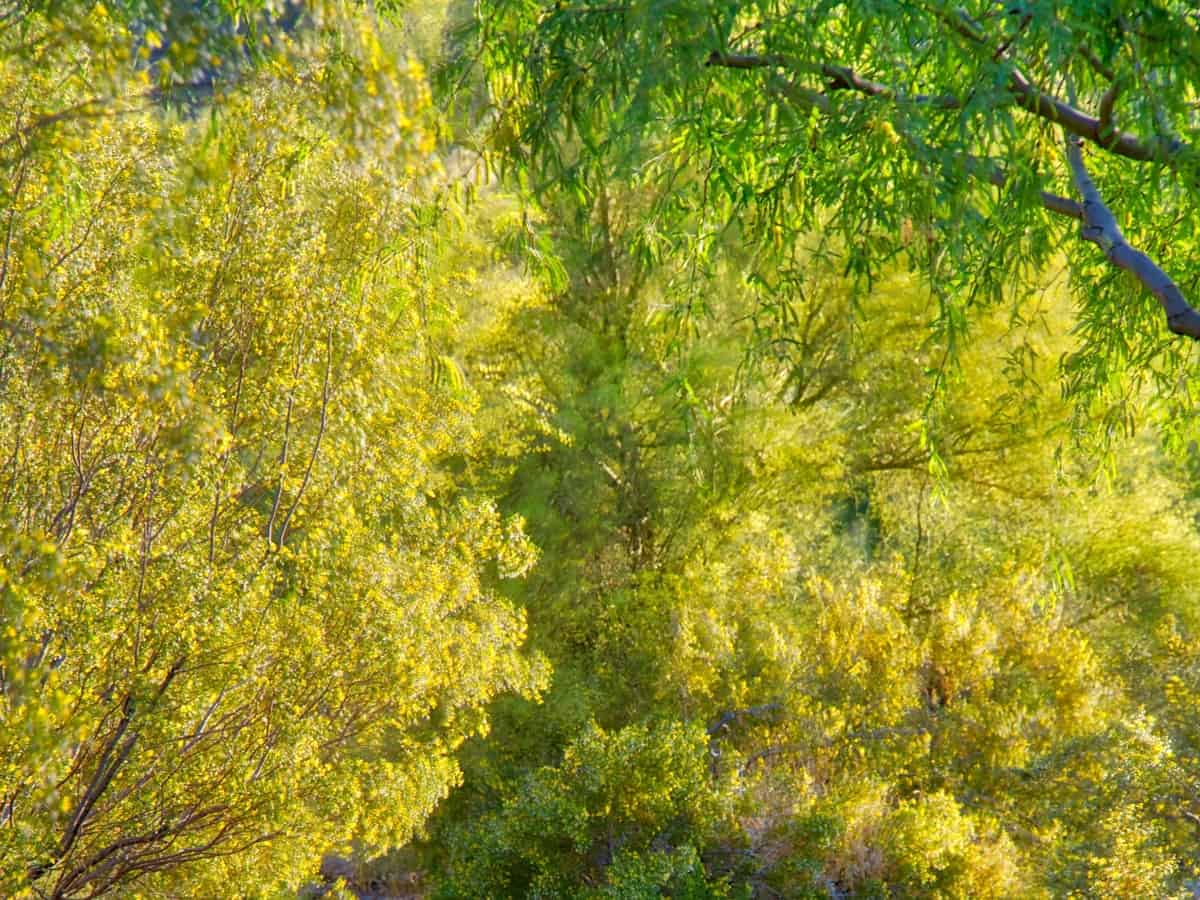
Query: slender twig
(12, 213)
(325, 390)
(287, 436)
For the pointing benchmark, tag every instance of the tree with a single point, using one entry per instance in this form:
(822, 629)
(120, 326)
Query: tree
(977, 143)
(280, 423)
(248, 608)
(624, 812)
(919, 641)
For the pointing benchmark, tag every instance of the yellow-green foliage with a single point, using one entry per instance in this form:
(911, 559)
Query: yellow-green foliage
(296, 457)
(924, 634)
(248, 613)
(624, 812)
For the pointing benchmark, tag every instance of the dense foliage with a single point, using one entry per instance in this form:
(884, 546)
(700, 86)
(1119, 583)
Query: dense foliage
(247, 603)
(907, 673)
(579, 474)
(942, 136)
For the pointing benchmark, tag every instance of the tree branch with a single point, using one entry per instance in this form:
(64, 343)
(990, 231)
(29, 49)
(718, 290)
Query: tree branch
(1097, 65)
(1097, 129)
(840, 78)
(325, 387)
(844, 79)
(1033, 99)
(287, 435)
(743, 60)
(763, 711)
(106, 769)
(1106, 108)
(1064, 206)
(1100, 227)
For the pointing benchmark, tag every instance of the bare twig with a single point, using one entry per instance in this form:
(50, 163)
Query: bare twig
(325, 389)
(287, 437)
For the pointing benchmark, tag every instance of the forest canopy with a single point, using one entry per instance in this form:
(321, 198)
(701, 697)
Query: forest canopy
(567, 449)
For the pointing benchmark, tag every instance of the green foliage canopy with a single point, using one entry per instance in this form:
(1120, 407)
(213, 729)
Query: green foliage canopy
(933, 655)
(941, 135)
(277, 417)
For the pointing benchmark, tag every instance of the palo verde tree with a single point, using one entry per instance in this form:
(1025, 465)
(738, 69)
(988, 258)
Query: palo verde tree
(978, 143)
(247, 611)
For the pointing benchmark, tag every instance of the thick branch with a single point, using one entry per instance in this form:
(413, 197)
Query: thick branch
(743, 60)
(1100, 227)
(844, 79)
(1064, 206)
(1107, 129)
(100, 781)
(1097, 129)
(1097, 65)
(730, 717)
(106, 769)
(1091, 128)
(1073, 120)
(839, 78)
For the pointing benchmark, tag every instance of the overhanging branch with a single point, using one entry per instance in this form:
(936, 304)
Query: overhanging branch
(1100, 227)
(838, 78)
(1096, 129)
(1075, 121)
(1064, 206)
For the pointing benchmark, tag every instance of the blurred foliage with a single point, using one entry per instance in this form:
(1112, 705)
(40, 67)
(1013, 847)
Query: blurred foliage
(928, 635)
(249, 609)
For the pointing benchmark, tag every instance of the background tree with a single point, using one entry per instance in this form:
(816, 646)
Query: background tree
(914, 632)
